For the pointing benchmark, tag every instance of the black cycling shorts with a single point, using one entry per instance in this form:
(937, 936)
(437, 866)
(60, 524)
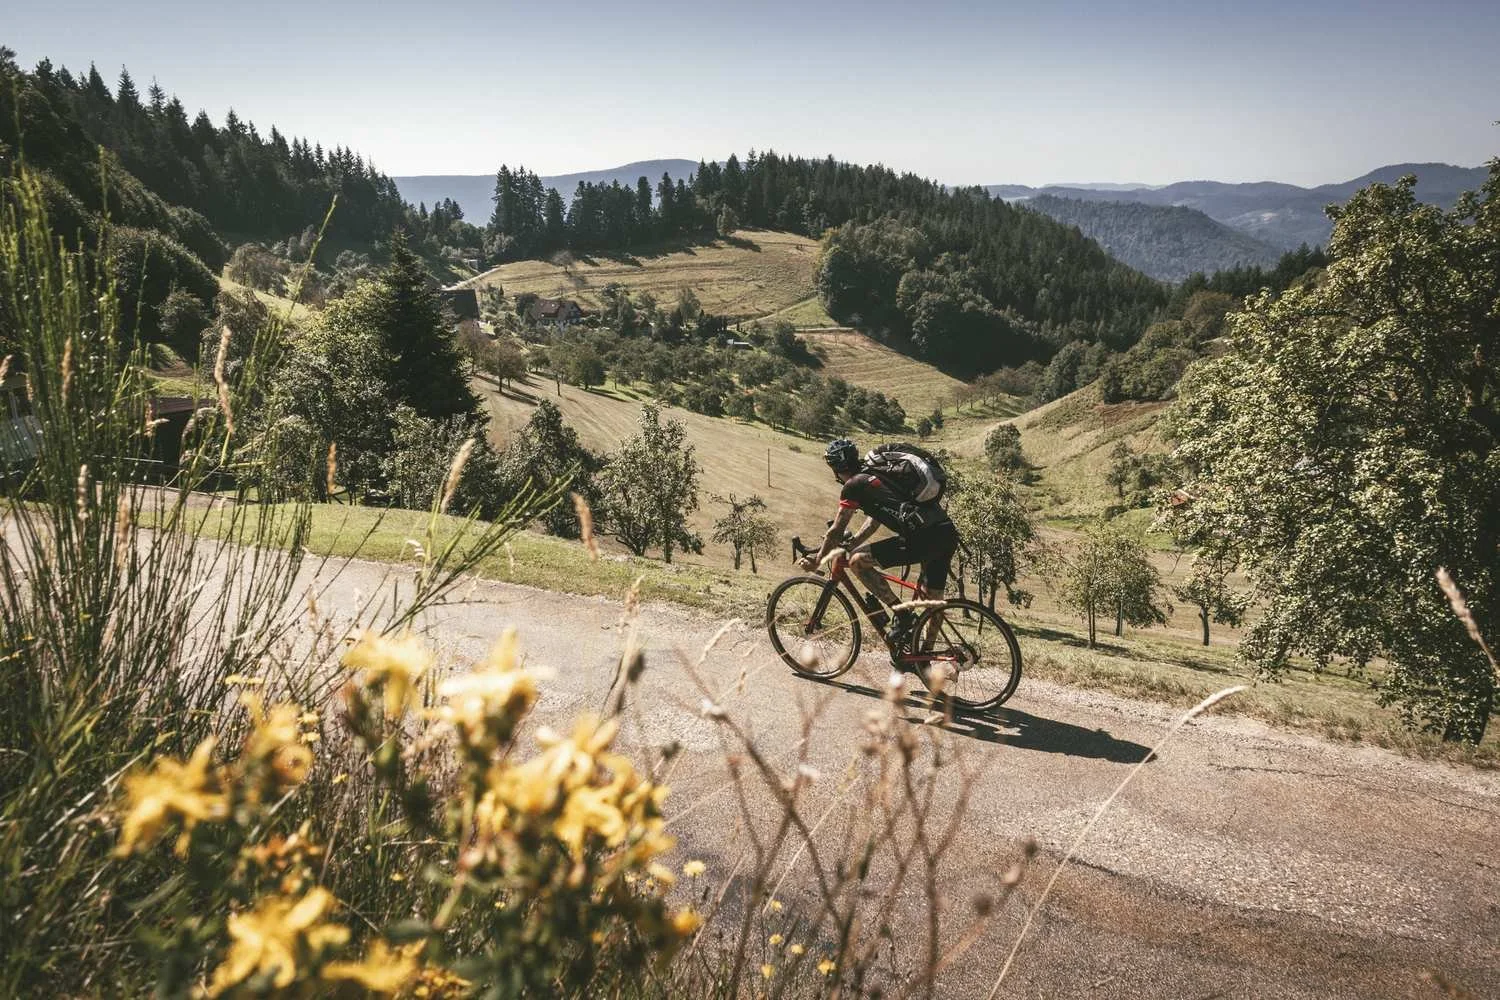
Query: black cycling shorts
(932, 547)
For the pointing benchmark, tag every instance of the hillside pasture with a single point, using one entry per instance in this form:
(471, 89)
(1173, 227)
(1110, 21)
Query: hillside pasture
(751, 274)
(864, 362)
(1068, 443)
(280, 306)
(801, 495)
(800, 499)
(808, 314)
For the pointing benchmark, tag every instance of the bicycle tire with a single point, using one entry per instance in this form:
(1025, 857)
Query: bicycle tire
(984, 648)
(795, 600)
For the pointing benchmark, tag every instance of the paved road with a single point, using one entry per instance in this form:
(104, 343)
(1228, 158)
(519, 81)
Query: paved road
(1245, 862)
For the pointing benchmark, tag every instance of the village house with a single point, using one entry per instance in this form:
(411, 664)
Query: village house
(559, 312)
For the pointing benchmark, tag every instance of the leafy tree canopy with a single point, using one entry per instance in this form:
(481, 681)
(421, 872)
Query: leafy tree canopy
(1346, 447)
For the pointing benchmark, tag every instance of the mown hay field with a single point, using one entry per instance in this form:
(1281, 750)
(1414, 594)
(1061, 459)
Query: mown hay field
(858, 359)
(801, 495)
(805, 315)
(751, 274)
(1068, 443)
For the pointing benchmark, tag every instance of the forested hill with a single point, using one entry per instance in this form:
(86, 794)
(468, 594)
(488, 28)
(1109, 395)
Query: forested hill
(991, 284)
(243, 183)
(179, 192)
(475, 193)
(1165, 241)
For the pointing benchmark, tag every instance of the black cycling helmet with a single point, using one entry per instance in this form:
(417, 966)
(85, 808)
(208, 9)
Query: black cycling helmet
(842, 456)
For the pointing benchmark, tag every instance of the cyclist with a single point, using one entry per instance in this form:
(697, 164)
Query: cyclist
(923, 532)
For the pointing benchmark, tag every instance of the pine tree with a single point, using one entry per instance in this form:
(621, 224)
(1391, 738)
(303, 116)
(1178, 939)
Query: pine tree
(425, 369)
(96, 90)
(126, 96)
(158, 99)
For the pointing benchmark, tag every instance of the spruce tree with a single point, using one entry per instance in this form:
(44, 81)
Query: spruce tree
(128, 98)
(425, 370)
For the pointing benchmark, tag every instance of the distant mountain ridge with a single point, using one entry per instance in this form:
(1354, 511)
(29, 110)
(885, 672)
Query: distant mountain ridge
(1167, 242)
(475, 192)
(1282, 215)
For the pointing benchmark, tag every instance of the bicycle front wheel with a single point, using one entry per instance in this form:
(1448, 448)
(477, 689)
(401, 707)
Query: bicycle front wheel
(966, 656)
(813, 626)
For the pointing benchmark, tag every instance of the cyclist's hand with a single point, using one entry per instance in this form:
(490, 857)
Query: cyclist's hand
(808, 563)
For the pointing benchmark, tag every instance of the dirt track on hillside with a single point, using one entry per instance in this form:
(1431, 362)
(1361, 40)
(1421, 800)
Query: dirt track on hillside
(1245, 862)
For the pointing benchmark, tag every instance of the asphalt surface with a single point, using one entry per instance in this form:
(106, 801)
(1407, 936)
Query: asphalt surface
(1242, 862)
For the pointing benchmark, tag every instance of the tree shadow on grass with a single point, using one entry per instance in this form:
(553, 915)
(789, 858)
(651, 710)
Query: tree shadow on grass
(1013, 728)
(512, 390)
(741, 243)
(1106, 648)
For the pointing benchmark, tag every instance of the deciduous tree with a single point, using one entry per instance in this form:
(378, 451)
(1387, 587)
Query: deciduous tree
(651, 486)
(745, 527)
(999, 536)
(1346, 446)
(1110, 571)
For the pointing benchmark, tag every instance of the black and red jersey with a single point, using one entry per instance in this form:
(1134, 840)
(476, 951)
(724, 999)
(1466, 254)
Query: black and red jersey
(870, 494)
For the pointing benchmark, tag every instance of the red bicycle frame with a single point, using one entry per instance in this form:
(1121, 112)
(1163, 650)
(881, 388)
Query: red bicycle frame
(838, 574)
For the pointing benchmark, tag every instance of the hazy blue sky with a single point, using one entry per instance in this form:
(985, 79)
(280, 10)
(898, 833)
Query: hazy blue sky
(1029, 93)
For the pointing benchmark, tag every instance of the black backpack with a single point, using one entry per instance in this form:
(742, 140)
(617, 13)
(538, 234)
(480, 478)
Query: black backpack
(911, 470)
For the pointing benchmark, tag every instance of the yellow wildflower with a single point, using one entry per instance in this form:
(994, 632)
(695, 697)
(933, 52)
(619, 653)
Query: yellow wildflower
(591, 810)
(686, 922)
(572, 758)
(531, 788)
(383, 969)
(269, 938)
(776, 939)
(502, 656)
(171, 790)
(767, 971)
(662, 874)
(487, 705)
(693, 869)
(776, 905)
(827, 966)
(276, 742)
(394, 664)
(435, 982)
(797, 949)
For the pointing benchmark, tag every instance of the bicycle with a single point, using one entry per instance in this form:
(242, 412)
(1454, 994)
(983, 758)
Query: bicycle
(962, 652)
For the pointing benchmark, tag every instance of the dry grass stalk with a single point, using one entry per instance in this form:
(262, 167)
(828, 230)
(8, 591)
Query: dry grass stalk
(632, 655)
(333, 467)
(1088, 828)
(221, 381)
(455, 474)
(1461, 610)
(123, 522)
(894, 840)
(83, 491)
(586, 525)
(5, 367)
(918, 604)
(67, 369)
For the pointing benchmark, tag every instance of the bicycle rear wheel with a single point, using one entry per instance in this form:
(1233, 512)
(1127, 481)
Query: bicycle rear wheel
(966, 656)
(813, 626)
